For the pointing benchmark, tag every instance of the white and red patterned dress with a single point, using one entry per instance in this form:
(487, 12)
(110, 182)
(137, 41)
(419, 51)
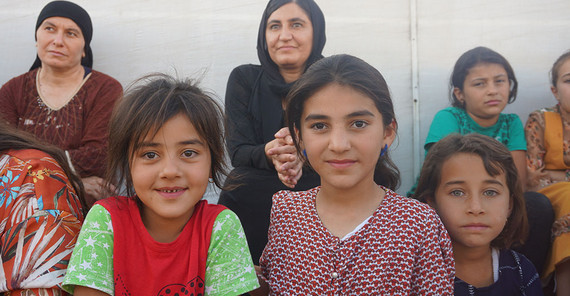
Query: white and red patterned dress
(403, 249)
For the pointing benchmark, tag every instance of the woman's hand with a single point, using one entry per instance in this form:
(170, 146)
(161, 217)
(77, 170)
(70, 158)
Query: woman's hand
(95, 189)
(282, 153)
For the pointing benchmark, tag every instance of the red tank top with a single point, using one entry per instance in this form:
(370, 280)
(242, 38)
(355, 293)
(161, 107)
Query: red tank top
(143, 266)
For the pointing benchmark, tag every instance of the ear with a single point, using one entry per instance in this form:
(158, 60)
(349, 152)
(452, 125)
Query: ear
(554, 91)
(458, 94)
(390, 133)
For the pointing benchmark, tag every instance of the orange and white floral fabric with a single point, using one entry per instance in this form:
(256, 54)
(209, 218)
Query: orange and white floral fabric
(41, 216)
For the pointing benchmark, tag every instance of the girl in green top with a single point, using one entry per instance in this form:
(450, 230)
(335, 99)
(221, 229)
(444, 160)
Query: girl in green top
(482, 84)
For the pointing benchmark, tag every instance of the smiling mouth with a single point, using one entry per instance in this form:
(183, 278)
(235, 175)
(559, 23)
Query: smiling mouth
(171, 190)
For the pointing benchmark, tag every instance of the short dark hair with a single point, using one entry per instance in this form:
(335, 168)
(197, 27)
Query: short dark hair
(148, 104)
(355, 73)
(470, 59)
(496, 159)
(556, 67)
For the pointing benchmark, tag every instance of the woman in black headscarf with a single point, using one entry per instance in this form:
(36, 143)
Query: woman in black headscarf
(61, 100)
(291, 37)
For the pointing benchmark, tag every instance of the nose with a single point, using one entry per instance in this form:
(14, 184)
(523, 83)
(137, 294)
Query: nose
(339, 140)
(493, 88)
(475, 205)
(286, 34)
(170, 168)
(58, 38)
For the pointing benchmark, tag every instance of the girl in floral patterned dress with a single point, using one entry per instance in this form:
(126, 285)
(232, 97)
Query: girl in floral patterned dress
(41, 211)
(548, 164)
(351, 235)
(166, 145)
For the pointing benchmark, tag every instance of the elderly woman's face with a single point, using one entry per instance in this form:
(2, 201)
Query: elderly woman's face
(289, 37)
(60, 43)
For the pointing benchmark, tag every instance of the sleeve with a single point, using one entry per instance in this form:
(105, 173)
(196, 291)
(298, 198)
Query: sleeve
(443, 124)
(90, 156)
(229, 268)
(434, 271)
(8, 99)
(243, 147)
(42, 217)
(535, 149)
(517, 139)
(91, 264)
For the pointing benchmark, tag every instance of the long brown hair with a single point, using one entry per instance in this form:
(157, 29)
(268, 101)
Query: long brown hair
(497, 159)
(346, 70)
(13, 139)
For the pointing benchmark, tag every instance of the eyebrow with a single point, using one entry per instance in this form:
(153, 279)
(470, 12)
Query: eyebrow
(48, 23)
(291, 20)
(181, 143)
(488, 181)
(485, 78)
(351, 115)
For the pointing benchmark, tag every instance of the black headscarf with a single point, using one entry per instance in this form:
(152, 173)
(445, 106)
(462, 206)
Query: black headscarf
(270, 88)
(75, 13)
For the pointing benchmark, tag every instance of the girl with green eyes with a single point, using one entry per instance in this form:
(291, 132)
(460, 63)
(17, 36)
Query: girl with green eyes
(471, 181)
(482, 84)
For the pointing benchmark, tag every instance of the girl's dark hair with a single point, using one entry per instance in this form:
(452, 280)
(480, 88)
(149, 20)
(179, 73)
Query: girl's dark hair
(148, 104)
(497, 160)
(319, 36)
(556, 67)
(14, 139)
(470, 59)
(355, 73)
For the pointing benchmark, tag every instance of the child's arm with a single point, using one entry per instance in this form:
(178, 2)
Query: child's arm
(85, 291)
(444, 123)
(263, 289)
(229, 268)
(534, 133)
(91, 263)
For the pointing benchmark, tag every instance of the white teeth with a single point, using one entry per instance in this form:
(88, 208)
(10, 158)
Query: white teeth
(170, 191)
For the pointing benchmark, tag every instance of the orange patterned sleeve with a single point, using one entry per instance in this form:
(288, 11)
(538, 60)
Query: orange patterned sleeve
(534, 132)
(41, 218)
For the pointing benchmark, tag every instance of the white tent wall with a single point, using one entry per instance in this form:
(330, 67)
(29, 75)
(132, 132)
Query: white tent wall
(414, 44)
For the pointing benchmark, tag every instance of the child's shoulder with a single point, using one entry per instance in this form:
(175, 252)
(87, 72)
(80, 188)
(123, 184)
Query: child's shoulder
(404, 204)
(509, 259)
(515, 268)
(286, 196)
(449, 112)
